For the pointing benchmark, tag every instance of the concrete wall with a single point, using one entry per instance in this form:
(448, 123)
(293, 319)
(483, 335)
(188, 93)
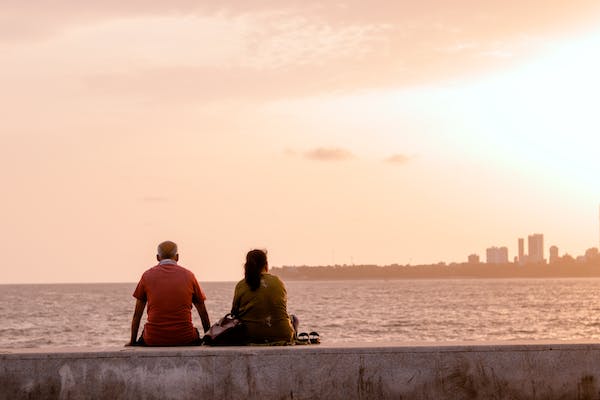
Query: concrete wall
(470, 371)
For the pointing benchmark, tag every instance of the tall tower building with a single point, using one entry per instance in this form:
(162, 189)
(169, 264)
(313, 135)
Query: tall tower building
(553, 254)
(521, 258)
(536, 248)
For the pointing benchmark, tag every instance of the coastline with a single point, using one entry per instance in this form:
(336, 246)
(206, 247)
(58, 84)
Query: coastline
(452, 271)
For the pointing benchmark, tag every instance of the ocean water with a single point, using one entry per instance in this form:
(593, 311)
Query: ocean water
(33, 316)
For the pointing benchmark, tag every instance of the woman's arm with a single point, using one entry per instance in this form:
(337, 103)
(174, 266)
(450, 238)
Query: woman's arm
(235, 306)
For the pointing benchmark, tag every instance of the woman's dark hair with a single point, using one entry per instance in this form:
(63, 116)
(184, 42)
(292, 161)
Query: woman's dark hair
(256, 260)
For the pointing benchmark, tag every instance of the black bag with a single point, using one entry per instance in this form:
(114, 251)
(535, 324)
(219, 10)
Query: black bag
(229, 331)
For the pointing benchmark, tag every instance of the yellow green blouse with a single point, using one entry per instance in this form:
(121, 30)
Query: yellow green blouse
(264, 311)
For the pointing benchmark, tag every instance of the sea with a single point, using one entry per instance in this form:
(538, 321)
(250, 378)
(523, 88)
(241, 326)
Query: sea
(368, 312)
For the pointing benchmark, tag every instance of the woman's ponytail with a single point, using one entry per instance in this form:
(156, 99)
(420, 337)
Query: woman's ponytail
(256, 260)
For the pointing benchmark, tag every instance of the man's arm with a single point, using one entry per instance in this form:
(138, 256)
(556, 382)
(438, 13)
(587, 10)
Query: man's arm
(203, 315)
(135, 322)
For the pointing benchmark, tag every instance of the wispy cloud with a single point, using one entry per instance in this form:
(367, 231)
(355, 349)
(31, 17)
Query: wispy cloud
(329, 154)
(271, 49)
(398, 159)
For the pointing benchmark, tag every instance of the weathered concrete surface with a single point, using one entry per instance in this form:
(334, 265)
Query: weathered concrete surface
(462, 371)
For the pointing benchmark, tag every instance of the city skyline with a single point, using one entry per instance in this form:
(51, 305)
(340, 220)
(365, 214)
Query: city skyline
(535, 251)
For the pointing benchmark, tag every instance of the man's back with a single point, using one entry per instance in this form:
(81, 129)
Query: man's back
(169, 290)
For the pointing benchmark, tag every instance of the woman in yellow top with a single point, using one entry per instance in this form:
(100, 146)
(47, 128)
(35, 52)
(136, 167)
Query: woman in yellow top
(260, 302)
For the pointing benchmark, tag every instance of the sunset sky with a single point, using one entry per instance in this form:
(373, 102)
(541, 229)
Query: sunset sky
(326, 132)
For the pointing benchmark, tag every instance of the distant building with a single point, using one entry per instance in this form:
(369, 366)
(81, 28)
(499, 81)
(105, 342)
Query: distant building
(536, 248)
(554, 254)
(521, 258)
(496, 255)
(474, 259)
(592, 254)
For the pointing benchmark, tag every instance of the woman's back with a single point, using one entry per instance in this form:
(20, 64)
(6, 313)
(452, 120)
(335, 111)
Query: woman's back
(264, 310)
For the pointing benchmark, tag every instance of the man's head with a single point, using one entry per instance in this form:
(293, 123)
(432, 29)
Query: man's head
(167, 250)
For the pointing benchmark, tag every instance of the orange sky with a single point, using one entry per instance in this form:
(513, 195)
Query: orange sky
(378, 132)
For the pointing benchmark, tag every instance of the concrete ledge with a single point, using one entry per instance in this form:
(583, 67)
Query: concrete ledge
(410, 371)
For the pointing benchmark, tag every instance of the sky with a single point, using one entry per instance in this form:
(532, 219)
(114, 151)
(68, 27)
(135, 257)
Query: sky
(342, 132)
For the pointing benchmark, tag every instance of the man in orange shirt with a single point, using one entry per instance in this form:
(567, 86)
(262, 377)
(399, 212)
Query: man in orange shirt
(169, 290)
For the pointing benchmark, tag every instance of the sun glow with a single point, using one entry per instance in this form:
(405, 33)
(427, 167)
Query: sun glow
(537, 117)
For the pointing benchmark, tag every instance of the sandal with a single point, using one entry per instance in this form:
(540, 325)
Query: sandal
(303, 338)
(314, 338)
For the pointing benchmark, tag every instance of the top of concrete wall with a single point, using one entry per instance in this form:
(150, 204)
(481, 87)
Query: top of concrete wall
(354, 348)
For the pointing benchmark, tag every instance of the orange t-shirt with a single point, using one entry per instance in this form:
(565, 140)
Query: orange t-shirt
(170, 290)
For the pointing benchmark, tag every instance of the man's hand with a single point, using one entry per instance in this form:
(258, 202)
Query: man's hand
(135, 321)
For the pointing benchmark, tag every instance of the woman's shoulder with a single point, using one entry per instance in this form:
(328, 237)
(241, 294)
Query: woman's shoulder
(240, 284)
(272, 278)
